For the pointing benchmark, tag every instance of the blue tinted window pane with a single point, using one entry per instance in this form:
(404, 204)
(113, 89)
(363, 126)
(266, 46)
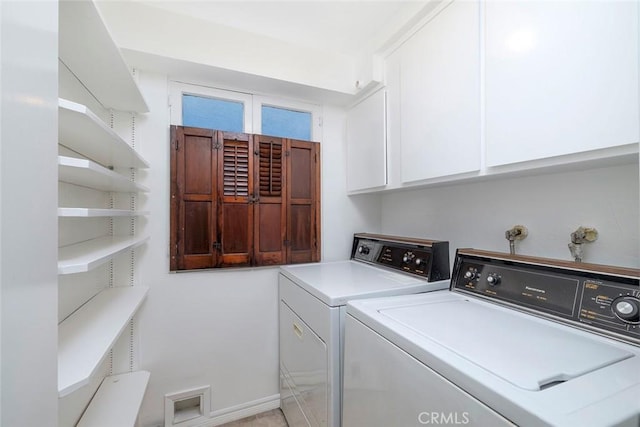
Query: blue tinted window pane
(211, 113)
(286, 123)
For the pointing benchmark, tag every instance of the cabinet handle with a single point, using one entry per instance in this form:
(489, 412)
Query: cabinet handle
(297, 329)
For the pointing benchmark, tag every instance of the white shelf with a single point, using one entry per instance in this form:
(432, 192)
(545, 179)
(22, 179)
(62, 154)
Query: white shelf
(85, 337)
(117, 401)
(80, 130)
(88, 50)
(93, 212)
(90, 174)
(85, 256)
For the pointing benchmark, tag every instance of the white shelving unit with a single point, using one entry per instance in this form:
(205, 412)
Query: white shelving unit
(117, 401)
(90, 174)
(84, 256)
(76, 121)
(87, 49)
(97, 71)
(85, 337)
(94, 212)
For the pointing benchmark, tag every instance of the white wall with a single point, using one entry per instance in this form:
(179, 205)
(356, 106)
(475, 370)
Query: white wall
(155, 31)
(551, 206)
(219, 328)
(28, 194)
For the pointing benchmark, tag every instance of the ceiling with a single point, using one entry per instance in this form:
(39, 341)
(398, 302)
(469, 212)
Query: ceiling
(343, 26)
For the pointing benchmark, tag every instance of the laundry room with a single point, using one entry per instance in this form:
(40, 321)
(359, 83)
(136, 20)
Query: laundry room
(214, 212)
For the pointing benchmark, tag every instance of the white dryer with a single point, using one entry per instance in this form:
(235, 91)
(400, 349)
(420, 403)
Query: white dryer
(312, 313)
(515, 341)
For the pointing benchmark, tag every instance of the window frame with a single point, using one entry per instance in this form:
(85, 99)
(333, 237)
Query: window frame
(269, 101)
(178, 89)
(252, 106)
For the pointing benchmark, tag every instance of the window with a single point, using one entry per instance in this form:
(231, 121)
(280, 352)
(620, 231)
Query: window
(211, 108)
(212, 113)
(286, 123)
(239, 199)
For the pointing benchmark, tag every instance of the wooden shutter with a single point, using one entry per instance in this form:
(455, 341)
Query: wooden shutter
(270, 202)
(193, 198)
(303, 201)
(235, 219)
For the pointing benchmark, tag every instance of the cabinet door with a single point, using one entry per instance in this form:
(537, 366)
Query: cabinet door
(366, 144)
(235, 219)
(193, 198)
(561, 78)
(303, 198)
(440, 95)
(270, 208)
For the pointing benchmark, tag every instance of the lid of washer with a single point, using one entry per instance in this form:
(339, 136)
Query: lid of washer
(335, 283)
(524, 351)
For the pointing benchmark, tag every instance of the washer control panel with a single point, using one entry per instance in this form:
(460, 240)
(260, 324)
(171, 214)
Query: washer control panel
(601, 298)
(423, 258)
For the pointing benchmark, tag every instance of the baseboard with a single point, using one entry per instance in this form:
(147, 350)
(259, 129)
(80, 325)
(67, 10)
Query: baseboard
(244, 410)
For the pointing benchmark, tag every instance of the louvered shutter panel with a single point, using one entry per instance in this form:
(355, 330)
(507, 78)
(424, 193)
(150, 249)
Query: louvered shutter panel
(303, 201)
(270, 207)
(235, 220)
(193, 198)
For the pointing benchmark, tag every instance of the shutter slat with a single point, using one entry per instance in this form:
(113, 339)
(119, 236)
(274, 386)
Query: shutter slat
(270, 169)
(235, 168)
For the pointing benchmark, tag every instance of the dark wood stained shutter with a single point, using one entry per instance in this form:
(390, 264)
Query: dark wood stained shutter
(193, 198)
(270, 201)
(303, 198)
(240, 200)
(235, 220)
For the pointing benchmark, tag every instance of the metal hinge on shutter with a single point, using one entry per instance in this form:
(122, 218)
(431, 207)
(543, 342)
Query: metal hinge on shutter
(286, 242)
(177, 143)
(217, 246)
(217, 145)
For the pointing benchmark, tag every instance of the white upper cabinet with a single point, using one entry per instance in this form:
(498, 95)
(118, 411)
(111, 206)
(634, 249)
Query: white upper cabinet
(366, 144)
(561, 78)
(440, 96)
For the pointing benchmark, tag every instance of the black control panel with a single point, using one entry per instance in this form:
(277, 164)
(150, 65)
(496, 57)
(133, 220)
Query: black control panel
(607, 301)
(428, 259)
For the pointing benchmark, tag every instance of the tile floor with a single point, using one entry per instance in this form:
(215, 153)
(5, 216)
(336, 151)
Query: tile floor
(273, 418)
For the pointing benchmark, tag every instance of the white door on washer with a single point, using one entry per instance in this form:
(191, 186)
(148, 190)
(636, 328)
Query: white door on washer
(303, 370)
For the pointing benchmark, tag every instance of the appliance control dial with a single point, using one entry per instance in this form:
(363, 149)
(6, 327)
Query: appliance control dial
(408, 257)
(471, 274)
(627, 309)
(493, 279)
(419, 261)
(364, 250)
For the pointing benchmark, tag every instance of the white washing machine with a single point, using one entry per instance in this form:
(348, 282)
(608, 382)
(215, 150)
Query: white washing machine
(514, 341)
(312, 314)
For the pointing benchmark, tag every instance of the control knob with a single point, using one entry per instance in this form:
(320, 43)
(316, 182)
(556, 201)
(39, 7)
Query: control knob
(364, 250)
(419, 261)
(493, 279)
(408, 257)
(470, 274)
(627, 309)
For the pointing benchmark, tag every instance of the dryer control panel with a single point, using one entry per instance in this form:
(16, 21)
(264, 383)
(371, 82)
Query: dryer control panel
(600, 298)
(419, 257)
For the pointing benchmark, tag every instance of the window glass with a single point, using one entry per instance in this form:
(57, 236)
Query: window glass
(212, 113)
(286, 123)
